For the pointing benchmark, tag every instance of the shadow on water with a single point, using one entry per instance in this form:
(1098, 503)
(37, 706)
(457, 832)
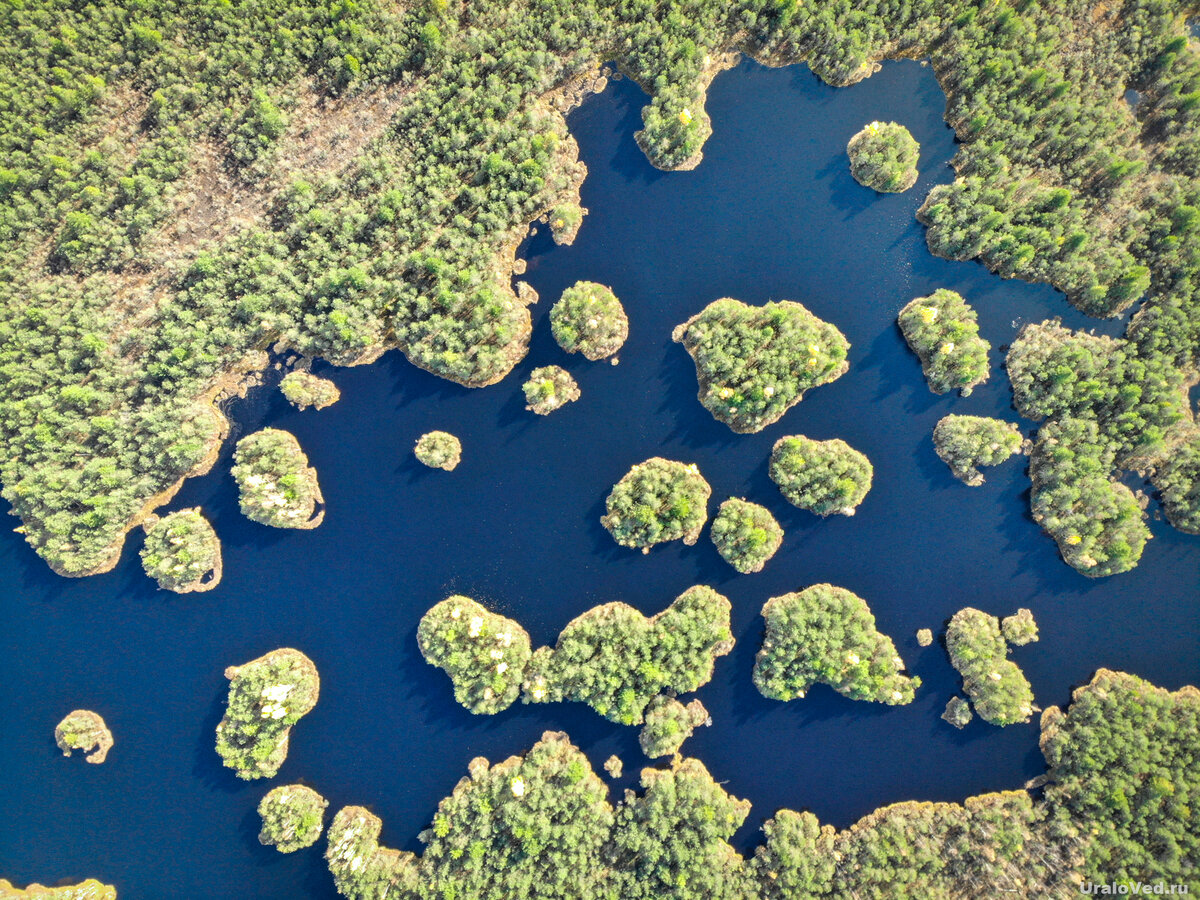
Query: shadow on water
(772, 213)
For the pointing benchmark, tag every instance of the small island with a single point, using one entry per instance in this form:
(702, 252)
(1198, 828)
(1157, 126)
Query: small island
(267, 696)
(668, 724)
(589, 319)
(182, 552)
(292, 817)
(617, 660)
(614, 767)
(484, 654)
(755, 362)
(549, 388)
(965, 443)
(304, 389)
(996, 686)
(657, 500)
(85, 890)
(924, 637)
(944, 333)
(958, 712)
(827, 634)
(745, 534)
(276, 486)
(439, 450)
(883, 157)
(565, 220)
(84, 730)
(824, 477)
(1020, 628)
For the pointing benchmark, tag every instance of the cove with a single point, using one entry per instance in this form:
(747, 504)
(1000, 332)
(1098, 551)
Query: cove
(771, 213)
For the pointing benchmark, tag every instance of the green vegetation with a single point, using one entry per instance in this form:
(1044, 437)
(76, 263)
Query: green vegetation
(966, 442)
(827, 634)
(267, 696)
(824, 477)
(1020, 628)
(84, 730)
(1109, 410)
(165, 164)
(668, 724)
(549, 388)
(614, 767)
(1178, 478)
(85, 890)
(439, 450)
(998, 689)
(292, 817)
(657, 500)
(883, 157)
(1123, 763)
(276, 486)
(944, 332)
(755, 362)
(182, 552)
(565, 220)
(484, 654)
(616, 660)
(745, 534)
(589, 319)
(958, 712)
(924, 637)
(304, 389)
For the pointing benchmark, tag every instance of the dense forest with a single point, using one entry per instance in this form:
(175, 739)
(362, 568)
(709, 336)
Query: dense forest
(1122, 764)
(186, 185)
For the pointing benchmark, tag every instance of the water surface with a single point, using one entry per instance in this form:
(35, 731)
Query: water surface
(772, 213)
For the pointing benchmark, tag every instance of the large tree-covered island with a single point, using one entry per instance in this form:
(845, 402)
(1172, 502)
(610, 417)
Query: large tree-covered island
(824, 477)
(657, 500)
(754, 363)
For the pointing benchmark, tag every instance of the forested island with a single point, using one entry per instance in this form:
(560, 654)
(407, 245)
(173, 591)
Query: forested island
(589, 319)
(439, 450)
(276, 485)
(657, 500)
(544, 819)
(668, 724)
(998, 689)
(965, 443)
(944, 332)
(304, 389)
(824, 477)
(745, 534)
(549, 388)
(85, 890)
(827, 634)
(755, 363)
(883, 157)
(293, 816)
(267, 696)
(84, 730)
(611, 657)
(182, 552)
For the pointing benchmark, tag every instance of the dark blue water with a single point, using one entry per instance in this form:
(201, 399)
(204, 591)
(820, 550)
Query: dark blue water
(771, 213)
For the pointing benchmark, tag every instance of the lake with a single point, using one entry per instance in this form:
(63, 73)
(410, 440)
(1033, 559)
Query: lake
(771, 213)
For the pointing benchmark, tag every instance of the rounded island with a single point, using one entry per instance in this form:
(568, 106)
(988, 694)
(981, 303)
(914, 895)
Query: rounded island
(824, 477)
(657, 500)
(304, 389)
(84, 730)
(276, 486)
(439, 450)
(292, 817)
(182, 552)
(549, 388)
(589, 319)
(883, 157)
(745, 534)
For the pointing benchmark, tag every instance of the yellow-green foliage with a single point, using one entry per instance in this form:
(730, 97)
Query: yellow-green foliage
(549, 388)
(304, 389)
(589, 319)
(276, 486)
(267, 696)
(826, 634)
(944, 332)
(883, 157)
(745, 534)
(668, 724)
(998, 689)
(657, 500)
(182, 552)
(484, 654)
(966, 442)
(824, 477)
(439, 450)
(755, 362)
(292, 817)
